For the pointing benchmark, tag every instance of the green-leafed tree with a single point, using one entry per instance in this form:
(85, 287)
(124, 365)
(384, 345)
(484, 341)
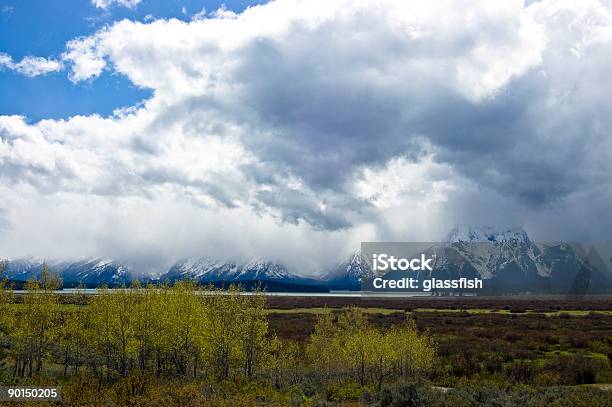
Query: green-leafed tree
(33, 331)
(351, 347)
(283, 362)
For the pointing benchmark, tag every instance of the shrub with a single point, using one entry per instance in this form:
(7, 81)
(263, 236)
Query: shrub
(409, 395)
(521, 371)
(577, 369)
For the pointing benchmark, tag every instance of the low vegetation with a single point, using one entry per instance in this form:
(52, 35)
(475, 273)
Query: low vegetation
(190, 346)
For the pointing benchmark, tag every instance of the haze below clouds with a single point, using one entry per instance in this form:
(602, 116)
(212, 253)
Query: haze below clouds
(296, 129)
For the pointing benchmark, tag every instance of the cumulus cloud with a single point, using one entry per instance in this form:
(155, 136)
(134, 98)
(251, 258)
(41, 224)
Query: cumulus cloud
(87, 61)
(30, 66)
(342, 120)
(104, 4)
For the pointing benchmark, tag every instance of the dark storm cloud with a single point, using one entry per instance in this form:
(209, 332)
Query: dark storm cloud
(327, 119)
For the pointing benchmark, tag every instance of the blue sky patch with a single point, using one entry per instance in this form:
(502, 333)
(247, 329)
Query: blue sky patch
(35, 28)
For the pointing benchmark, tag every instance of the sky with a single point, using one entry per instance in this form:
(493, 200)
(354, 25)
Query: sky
(149, 131)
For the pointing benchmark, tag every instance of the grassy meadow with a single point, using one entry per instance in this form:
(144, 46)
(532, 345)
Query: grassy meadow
(176, 346)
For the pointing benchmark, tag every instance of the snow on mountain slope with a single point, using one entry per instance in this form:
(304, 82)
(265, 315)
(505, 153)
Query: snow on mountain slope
(212, 270)
(488, 250)
(94, 271)
(471, 233)
(349, 273)
(513, 262)
(260, 269)
(203, 269)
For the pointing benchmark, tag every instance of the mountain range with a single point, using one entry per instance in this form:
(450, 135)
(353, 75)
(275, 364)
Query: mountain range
(89, 272)
(274, 276)
(510, 262)
(506, 258)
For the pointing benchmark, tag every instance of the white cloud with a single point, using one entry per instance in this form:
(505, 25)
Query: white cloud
(477, 64)
(104, 4)
(404, 182)
(88, 61)
(200, 15)
(30, 66)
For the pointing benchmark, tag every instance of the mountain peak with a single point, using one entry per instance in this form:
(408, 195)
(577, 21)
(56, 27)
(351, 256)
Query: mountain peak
(473, 233)
(348, 273)
(210, 270)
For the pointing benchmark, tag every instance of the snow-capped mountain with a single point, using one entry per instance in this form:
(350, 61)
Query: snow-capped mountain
(506, 258)
(511, 262)
(260, 269)
(487, 251)
(203, 269)
(208, 270)
(348, 274)
(90, 272)
(471, 233)
(97, 271)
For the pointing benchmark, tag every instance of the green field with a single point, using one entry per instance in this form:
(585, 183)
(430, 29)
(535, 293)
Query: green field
(173, 347)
